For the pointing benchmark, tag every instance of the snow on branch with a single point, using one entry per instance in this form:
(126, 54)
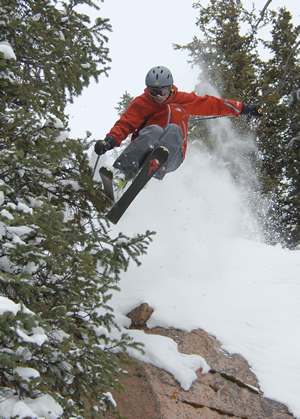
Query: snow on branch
(7, 51)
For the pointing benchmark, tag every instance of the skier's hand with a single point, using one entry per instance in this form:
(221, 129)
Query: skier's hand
(252, 110)
(102, 146)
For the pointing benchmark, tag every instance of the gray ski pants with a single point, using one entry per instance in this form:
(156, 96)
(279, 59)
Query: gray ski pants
(149, 138)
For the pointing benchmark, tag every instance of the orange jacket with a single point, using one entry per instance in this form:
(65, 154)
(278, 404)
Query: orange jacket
(144, 111)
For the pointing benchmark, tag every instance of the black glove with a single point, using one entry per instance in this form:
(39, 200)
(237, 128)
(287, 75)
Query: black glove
(102, 146)
(252, 110)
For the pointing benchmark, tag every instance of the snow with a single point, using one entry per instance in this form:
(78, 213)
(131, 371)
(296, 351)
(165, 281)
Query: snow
(109, 397)
(7, 51)
(5, 213)
(23, 207)
(37, 335)
(55, 122)
(44, 407)
(207, 268)
(20, 231)
(1, 196)
(7, 305)
(162, 352)
(27, 373)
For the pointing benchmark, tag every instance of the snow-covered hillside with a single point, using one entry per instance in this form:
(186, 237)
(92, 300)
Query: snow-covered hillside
(207, 269)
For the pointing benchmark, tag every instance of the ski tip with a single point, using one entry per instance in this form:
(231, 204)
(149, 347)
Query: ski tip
(112, 219)
(105, 169)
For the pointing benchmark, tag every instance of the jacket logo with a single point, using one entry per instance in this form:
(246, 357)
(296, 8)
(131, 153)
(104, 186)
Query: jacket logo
(153, 165)
(178, 109)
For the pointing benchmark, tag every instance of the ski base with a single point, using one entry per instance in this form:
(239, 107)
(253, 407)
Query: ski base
(152, 165)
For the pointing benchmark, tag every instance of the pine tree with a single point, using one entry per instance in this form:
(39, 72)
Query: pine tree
(228, 63)
(232, 67)
(280, 82)
(227, 59)
(125, 101)
(58, 50)
(58, 265)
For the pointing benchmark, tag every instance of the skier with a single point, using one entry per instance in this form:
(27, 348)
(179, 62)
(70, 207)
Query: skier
(159, 117)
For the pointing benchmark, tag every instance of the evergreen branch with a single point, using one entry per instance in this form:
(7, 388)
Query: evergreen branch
(286, 69)
(262, 13)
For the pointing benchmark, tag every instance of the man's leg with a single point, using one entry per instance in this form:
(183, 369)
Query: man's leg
(172, 139)
(133, 156)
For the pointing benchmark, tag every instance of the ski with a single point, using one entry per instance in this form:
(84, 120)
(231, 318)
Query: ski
(152, 165)
(106, 175)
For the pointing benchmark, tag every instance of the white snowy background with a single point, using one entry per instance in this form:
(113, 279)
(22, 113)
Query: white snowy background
(207, 266)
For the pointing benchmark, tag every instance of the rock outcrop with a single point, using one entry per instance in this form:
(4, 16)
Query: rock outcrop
(229, 390)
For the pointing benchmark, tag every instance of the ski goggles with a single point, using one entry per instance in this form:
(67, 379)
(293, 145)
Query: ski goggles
(159, 91)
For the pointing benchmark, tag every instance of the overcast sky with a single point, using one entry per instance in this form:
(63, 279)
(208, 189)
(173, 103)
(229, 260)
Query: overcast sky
(143, 36)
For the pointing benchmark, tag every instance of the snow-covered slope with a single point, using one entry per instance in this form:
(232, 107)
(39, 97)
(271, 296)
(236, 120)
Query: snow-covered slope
(205, 269)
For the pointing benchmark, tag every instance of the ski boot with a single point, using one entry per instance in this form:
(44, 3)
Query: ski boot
(119, 183)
